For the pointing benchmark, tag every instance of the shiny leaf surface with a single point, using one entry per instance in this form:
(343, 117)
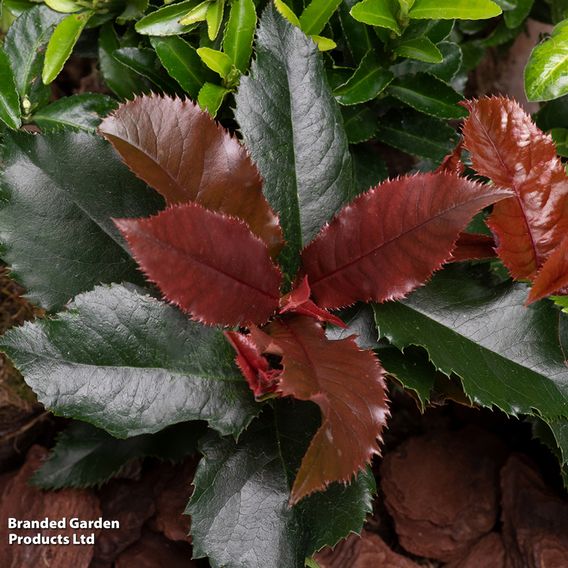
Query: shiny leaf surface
(9, 99)
(239, 33)
(552, 278)
(391, 239)
(181, 152)
(454, 9)
(208, 264)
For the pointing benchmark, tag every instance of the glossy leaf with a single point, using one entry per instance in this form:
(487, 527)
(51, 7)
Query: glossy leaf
(61, 44)
(196, 14)
(121, 80)
(316, 15)
(507, 356)
(508, 148)
(553, 276)
(58, 194)
(239, 33)
(84, 111)
(369, 80)
(307, 177)
(454, 9)
(85, 456)
(287, 13)
(546, 73)
(391, 239)
(9, 99)
(360, 123)
(472, 246)
(515, 17)
(429, 95)
(25, 45)
(165, 20)
(63, 6)
(144, 62)
(214, 18)
(216, 61)
(181, 61)
(131, 365)
(251, 480)
(420, 48)
(416, 133)
(345, 382)
(381, 13)
(205, 165)
(229, 281)
(211, 98)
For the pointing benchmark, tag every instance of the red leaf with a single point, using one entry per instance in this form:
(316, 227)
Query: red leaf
(507, 147)
(255, 368)
(345, 382)
(472, 246)
(298, 302)
(392, 238)
(180, 151)
(208, 264)
(452, 162)
(553, 276)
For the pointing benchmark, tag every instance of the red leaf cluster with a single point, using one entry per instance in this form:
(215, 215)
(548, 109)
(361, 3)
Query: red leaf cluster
(507, 147)
(210, 253)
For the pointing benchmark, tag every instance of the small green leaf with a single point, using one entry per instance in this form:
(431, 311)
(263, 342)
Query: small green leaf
(85, 456)
(515, 17)
(316, 15)
(121, 80)
(196, 14)
(84, 111)
(286, 12)
(9, 99)
(211, 98)
(182, 62)
(323, 43)
(417, 134)
(454, 9)
(130, 364)
(381, 13)
(239, 33)
(216, 61)
(369, 80)
(252, 479)
(144, 62)
(165, 20)
(360, 123)
(215, 18)
(420, 48)
(61, 44)
(429, 95)
(63, 6)
(546, 74)
(25, 45)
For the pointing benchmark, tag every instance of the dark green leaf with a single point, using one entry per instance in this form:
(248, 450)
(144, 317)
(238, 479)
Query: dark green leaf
(381, 13)
(547, 69)
(446, 70)
(83, 111)
(429, 95)
(144, 62)
(553, 114)
(25, 45)
(560, 137)
(133, 10)
(132, 365)
(355, 34)
(515, 17)
(248, 485)
(420, 48)
(360, 322)
(417, 134)
(308, 177)
(165, 20)
(316, 15)
(61, 44)
(9, 99)
(121, 80)
(370, 168)
(59, 192)
(507, 355)
(369, 80)
(181, 61)
(211, 97)
(239, 33)
(85, 456)
(360, 123)
(454, 9)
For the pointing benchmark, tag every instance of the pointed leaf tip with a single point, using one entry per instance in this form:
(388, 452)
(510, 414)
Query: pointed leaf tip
(208, 264)
(391, 239)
